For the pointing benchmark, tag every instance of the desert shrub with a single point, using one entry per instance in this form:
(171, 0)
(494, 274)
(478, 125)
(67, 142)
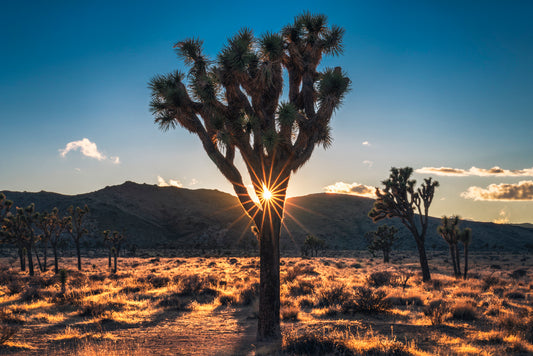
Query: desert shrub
(15, 287)
(340, 264)
(366, 300)
(515, 295)
(315, 344)
(96, 310)
(301, 287)
(248, 295)
(519, 273)
(335, 294)
(130, 289)
(464, 311)
(155, 281)
(522, 325)
(31, 294)
(97, 277)
(436, 311)
(356, 265)
(436, 284)
(380, 278)
(175, 302)
(289, 313)
(401, 279)
(401, 301)
(299, 270)
(306, 303)
(490, 281)
(227, 299)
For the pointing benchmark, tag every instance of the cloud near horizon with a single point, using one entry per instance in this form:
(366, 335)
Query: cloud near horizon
(478, 172)
(360, 190)
(171, 182)
(88, 149)
(522, 191)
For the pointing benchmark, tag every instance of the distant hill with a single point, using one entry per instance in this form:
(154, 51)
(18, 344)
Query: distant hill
(160, 217)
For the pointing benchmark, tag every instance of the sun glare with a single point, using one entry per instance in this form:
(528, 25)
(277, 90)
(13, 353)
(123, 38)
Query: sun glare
(267, 194)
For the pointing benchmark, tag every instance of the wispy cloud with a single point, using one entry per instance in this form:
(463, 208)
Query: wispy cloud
(171, 182)
(88, 149)
(351, 189)
(479, 172)
(194, 181)
(366, 143)
(503, 218)
(522, 191)
(368, 163)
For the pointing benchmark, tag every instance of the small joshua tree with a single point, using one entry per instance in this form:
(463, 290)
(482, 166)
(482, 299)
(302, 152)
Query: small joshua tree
(61, 225)
(382, 240)
(313, 244)
(76, 227)
(449, 230)
(452, 234)
(465, 237)
(18, 228)
(63, 281)
(114, 240)
(400, 199)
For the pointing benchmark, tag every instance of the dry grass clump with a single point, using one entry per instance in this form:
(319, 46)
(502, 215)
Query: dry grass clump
(289, 313)
(436, 311)
(366, 300)
(464, 311)
(380, 279)
(335, 294)
(326, 342)
(301, 287)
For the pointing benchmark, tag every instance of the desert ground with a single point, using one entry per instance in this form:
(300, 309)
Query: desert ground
(353, 305)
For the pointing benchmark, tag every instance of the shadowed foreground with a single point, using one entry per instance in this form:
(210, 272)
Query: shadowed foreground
(208, 306)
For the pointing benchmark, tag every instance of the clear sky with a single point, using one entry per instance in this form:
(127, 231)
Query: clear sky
(435, 84)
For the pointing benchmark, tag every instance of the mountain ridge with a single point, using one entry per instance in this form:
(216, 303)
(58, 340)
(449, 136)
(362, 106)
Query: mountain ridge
(171, 217)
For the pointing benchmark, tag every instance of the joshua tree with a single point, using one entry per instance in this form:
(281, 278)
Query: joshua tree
(233, 104)
(76, 228)
(400, 199)
(466, 238)
(382, 240)
(313, 244)
(19, 228)
(449, 230)
(114, 239)
(5, 206)
(45, 222)
(61, 225)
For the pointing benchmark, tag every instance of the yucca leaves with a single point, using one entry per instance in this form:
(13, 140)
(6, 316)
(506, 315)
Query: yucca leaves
(333, 86)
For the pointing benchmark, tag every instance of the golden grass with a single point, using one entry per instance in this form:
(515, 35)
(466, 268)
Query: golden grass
(359, 305)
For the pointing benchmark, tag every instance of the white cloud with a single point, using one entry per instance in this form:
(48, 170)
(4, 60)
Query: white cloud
(193, 181)
(171, 182)
(366, 143)
(522, 191)
(368, 163)
(503, 218)
(474, 171)
(88, 149)
(351, 189)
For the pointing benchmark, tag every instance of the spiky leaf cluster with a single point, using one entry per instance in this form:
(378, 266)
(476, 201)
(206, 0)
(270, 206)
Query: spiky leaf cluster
(233, 102)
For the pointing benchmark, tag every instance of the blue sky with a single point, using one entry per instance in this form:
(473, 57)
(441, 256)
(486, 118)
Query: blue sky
(435, 84)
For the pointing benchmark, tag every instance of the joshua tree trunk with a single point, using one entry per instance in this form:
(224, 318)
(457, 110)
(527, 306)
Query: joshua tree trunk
(109, 260)
(56, 261)
(452, 253)
(269, 288)
(79, 254)
(466, 261)
(22, 259)
(45, 256)
(386, 258)
(38, 259)
(426, 276)
(30, 260)
(458, 261)
(115, 255)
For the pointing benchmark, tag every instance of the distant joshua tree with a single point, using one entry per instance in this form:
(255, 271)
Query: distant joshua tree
(382, 240)
(18, 228)
(313, 244)
(76, 227)
(233, 104)
(400, 199)
(452, 234)
(114, 240)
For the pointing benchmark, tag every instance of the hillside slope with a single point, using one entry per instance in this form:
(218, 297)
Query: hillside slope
(159, 217)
